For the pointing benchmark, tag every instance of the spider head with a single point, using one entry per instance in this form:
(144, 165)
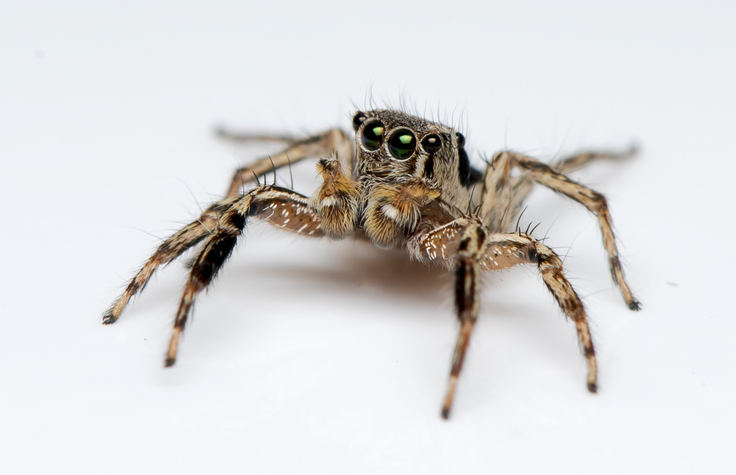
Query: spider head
(397, 147)
(405, 163)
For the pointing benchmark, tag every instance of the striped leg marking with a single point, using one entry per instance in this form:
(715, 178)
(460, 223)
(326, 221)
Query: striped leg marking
(497, 195)
(469, 252)
(169, 250)
(280, 207)
(506, 250)
(218, 229)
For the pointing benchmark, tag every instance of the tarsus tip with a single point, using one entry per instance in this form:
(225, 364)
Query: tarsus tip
(108, 318)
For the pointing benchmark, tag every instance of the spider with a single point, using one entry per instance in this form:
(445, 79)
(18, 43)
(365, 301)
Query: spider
(400, 182)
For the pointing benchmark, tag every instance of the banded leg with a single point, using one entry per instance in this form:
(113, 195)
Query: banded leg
(505, 194)
(469, 252)
(331, 142)
(278, 206)
(496, 202)
(284, 209)
(169, 250)
(475, 251)
(521, 186)
(506, 250)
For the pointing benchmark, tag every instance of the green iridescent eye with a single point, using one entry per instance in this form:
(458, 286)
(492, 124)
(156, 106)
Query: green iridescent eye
(402, 144)
(372, 137)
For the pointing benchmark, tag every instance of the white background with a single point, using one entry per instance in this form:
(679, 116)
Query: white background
(332, 357)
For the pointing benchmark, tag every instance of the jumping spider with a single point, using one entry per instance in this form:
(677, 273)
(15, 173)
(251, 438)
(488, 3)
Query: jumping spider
(401, 182)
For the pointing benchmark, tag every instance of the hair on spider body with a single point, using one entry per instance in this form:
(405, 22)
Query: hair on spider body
(399, 181)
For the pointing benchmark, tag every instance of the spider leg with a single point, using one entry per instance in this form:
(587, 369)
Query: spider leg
(469, 251)
(507, 250)
(242, 137)
(330, 142)
(506, 194)
(521, 186)
(166, 252)
(580, 160)
(278, 206)
(498, 196)
(465, 242)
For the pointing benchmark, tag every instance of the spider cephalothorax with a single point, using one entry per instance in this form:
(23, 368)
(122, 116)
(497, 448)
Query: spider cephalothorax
(403, 182)
(403, 164)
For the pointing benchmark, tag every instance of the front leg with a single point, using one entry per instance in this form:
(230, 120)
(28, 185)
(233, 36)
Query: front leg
(465, 243)
(461, 243)
(506, 250)
(469, 251)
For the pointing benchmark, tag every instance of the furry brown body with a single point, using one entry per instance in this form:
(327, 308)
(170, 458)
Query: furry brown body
(402, 182)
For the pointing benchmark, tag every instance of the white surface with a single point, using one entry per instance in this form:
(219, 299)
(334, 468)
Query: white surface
(323, 357)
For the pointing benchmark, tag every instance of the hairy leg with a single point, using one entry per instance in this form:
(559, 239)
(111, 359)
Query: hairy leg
(506, 250)
(469, 251)
(465, 242)
(498, 196)
(520, 186)
(333, 142)
(280, 207)
(166, 252)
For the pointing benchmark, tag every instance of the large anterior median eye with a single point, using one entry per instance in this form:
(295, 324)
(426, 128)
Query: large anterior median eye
(372, 137)
(402, 144)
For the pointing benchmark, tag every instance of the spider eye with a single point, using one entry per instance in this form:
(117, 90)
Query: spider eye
(431, 143)
(402, 144)
(372, 137)
(358, 119)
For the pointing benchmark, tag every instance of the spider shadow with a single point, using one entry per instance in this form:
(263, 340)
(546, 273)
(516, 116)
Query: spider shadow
(369, 273)
(358, 268)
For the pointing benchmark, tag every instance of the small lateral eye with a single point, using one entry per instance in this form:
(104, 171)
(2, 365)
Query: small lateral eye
(431, 143)
(358, 120)
(402, 144)
(372, 136)
(460, 140)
